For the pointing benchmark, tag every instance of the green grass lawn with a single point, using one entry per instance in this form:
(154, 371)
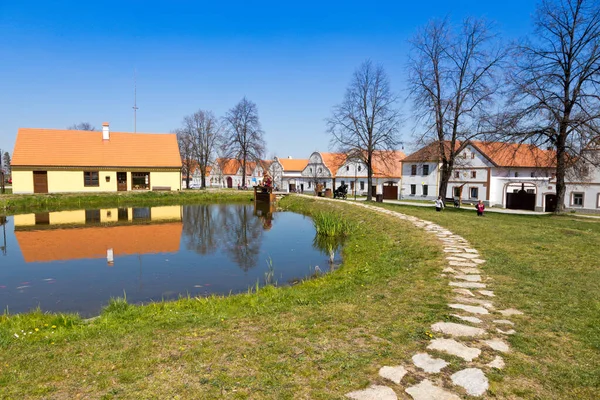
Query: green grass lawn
(316, 340)
(549, 268)
(330, 335)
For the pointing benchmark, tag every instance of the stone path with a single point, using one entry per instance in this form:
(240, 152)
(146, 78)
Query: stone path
(469, 342)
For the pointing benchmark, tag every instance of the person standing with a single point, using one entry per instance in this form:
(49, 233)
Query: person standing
(439, 204)
(480, 207)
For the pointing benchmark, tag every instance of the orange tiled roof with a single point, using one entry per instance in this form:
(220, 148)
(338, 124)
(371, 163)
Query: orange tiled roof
(293, 164)
(431, 152)
(70, 148)
(76, 243)
(230, 166)
(516, 155)
(388, 164)
(333, 161)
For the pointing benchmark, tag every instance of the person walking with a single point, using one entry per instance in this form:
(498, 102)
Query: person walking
(439, 204)
(480, 207)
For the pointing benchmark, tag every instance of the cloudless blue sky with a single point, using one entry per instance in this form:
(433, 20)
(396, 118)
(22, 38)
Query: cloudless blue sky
(64, 62)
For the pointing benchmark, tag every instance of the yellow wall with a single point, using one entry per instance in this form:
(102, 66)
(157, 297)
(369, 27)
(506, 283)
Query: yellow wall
(72, 181)
(166, 213)
(22, 182)
(24, 219)
(67, 217)
(171, 179)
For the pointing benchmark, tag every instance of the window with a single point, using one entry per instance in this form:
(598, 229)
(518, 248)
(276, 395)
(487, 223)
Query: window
(473, 174)
(359, 168)
(352, 185)
(123, 214)
(598, 201)
(140, 180)
(413, 189)
(533, 174)
(456, 191)
(92, 216)
(362, 185)
(464, 155)
(425, 169)
(577, 199)
(320, 170)
(425, 190)
(309, 183)
(310, 170)
(141, 213)
(530, 191)
(347, 168)
(413, 169)
(516, 174)
(90, 178)
(456, 174)
(474, 193)
(472, 156)
(343, 182)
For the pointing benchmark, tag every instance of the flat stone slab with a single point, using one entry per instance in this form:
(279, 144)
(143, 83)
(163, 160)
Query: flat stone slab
(487, 293)
(464, 292)
(428, 391)
(374, 392)
(498, 345)
(473, 380)
(508, 332)
(504, 322)
(450, 270)
(510, 311)
(470, 270)
(497, 363)
(473, 320)
(468, 285)
(471, 309)
(469, 278)
(394, 374)
(470, 300)
(454, 348)
(457, 330)
(461, 264)
(469, 250)
(467, 255)
(477, 260)
(428, 363)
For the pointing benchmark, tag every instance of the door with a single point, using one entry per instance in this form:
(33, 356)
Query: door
(373, 190)
(550, 203)
(292, 187)
(40, 182)
(229, 182)
(122, 181)
(390, 192)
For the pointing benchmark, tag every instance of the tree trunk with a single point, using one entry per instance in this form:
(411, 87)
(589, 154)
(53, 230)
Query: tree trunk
(203, 178)
(187, 180)
(560, 170)
(369, 177)
(244, 172)
(445, 173)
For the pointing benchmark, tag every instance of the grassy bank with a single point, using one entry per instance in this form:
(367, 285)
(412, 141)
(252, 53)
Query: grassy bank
(15, 204)
(549, 268)
(318, 339)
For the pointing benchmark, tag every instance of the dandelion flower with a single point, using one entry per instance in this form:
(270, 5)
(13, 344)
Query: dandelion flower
(37, 329)
(53, 326)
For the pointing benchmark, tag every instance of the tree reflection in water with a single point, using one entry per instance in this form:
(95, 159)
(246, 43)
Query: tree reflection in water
(228, 228)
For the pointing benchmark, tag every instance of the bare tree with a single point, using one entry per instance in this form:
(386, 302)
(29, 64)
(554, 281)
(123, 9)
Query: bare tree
(555, 100)
(452, 83)
(6, 162)
(186, 150)
(244, 138)
(206, 134)
(82, 126)
(367, 120)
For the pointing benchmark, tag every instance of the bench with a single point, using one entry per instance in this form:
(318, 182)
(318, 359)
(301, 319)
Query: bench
(161, 188)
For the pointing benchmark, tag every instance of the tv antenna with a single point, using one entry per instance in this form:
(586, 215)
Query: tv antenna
(135, 107)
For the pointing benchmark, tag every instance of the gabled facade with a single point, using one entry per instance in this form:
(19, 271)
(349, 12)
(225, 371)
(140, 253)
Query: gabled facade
(387, 174)
(287, 174)
(227, 173)
(59, 161)
(322, 169)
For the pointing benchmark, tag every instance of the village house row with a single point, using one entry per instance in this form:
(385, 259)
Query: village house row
(500, 174)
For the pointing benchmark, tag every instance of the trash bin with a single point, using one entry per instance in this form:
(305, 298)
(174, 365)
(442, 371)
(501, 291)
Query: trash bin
(328, 193)
(379, 198)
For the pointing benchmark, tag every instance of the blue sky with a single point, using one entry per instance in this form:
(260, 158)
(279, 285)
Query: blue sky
(68, 62)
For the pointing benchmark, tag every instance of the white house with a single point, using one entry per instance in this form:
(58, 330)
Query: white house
(387, 174)
(583, 183)
(287, 174)
(321, 169)
(227, 173)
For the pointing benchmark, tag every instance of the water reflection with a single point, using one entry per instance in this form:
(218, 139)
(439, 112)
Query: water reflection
(75, 261)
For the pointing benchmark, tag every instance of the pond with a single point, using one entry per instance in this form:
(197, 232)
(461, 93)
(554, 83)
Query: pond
(75, 261)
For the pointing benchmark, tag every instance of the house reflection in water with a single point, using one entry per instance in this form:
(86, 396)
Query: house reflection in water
(105, 233)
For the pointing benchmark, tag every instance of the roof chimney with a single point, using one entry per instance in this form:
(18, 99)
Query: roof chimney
(105, 131)
(289, 157)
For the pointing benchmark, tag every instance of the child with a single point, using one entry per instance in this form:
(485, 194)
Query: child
(439, 204)
(480, 207)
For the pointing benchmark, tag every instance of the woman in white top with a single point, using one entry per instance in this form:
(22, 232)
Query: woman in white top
(439, 204)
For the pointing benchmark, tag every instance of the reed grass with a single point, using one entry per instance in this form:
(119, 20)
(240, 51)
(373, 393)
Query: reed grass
(332, 224)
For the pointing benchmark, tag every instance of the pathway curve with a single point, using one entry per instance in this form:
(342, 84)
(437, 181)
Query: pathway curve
(470, 342)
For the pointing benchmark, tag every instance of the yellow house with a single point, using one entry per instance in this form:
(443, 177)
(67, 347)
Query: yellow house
(55, 161)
